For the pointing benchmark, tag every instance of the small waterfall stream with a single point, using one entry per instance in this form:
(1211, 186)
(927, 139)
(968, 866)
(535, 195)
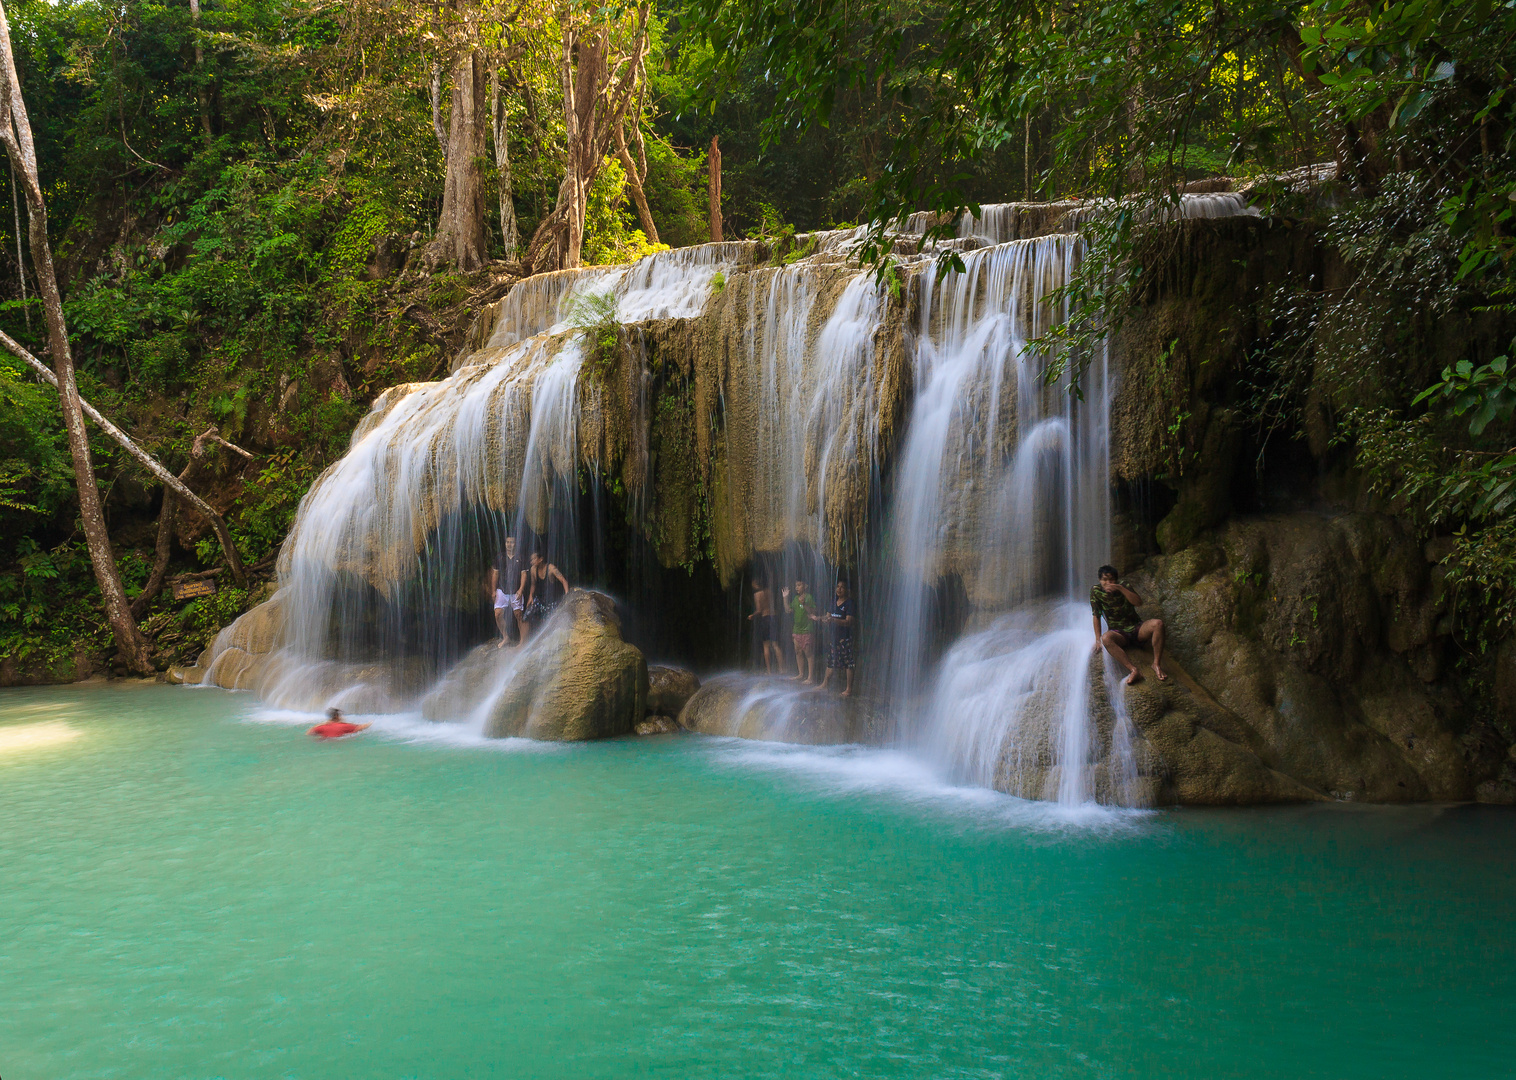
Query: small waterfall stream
(938, 462)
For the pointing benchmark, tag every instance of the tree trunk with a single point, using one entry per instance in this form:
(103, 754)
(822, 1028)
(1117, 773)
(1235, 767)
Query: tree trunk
(634, 180)
(715, 187)
(202, 97)
(462, 238)
(509, 233)
(16, 135)
(152, 464)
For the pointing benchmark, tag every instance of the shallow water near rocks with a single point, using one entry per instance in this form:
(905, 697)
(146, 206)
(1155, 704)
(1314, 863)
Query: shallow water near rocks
(193, 888)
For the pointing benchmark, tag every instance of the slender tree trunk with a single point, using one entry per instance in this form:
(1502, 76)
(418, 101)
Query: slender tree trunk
(462, 238)
(634, 181)
(715, 190)
(26, 309)
(152, 464)
(437, 128)
(202, 96)
(509, 233)
(16, 134)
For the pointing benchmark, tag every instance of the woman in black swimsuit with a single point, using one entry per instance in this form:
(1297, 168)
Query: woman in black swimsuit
(548, 588)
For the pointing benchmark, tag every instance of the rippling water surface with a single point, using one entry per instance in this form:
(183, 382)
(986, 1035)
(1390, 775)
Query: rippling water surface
(189, 887)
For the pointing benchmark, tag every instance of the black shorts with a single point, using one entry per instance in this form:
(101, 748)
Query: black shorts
(1128, 638)
(765, 629)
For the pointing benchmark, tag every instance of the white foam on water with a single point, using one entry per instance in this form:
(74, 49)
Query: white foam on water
(906, 779)
(411, 727)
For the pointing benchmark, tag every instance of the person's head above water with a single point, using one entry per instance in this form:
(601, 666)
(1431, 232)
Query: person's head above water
(1108, 572)
(334, 713)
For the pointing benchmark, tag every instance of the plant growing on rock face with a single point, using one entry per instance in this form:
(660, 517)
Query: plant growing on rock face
(594, 314)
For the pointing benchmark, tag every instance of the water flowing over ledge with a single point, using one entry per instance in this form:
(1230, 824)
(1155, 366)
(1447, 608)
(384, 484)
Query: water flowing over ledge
(794, 416)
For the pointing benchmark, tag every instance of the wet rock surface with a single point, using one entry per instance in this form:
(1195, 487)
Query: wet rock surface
(780, 710)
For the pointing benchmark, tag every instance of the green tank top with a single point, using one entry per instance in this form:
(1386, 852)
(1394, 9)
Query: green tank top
(802, 608)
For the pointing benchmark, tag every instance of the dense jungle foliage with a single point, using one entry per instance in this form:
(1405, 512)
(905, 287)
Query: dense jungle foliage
(240, 193)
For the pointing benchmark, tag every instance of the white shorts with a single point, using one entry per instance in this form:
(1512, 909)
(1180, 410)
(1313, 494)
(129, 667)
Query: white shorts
(504, 600)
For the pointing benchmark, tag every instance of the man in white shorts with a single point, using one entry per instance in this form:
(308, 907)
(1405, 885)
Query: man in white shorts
(508, 573)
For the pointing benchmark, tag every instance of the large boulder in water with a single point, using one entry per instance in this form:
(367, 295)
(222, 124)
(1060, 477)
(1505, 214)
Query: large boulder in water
(575, 679)
(781, 710)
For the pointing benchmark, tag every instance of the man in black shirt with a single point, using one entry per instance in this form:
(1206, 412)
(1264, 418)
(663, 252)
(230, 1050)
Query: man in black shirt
(507, 580)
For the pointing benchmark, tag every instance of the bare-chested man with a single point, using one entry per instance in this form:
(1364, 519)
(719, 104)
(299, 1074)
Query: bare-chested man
(766, 627)
(1124, 629)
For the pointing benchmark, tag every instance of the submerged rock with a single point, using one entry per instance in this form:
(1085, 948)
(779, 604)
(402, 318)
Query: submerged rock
(575, 679)
(657, 725)
(778, 710)
(668, 689)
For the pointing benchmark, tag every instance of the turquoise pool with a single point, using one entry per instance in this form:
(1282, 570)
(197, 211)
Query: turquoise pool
(193, 888)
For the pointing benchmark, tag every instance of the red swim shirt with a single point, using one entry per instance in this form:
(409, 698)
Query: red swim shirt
(333, 729)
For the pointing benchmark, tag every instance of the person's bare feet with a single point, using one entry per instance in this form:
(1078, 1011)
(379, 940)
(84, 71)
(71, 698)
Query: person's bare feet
(1158, 671)
(500, 644)
(846, 693)
(1133, 678)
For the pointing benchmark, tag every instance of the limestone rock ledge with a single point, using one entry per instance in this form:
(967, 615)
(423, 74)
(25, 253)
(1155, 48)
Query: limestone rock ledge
(576, 679)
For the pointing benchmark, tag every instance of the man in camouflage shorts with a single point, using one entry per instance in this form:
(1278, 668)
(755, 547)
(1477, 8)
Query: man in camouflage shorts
(1125, 629)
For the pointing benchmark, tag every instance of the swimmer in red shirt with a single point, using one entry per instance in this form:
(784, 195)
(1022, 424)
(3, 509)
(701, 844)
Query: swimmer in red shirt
(335, 727)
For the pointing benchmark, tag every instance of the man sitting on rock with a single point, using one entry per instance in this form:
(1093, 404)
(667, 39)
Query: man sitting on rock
(1117, 604)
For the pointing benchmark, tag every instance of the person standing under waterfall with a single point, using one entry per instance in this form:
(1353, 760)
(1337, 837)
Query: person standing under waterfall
(766, 627)
(508, 586)
(1125, 629)
(840, 656)
(548, 588)
(803, 610)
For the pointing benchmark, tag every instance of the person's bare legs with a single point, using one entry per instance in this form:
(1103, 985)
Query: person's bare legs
(1152, 631)
(520, 626)
(825, 679)
(771, 648)
(500, 625)
(1112, 642)
(849, 691)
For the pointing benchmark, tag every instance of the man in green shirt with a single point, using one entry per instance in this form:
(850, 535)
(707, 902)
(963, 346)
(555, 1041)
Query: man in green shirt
(1125, 629)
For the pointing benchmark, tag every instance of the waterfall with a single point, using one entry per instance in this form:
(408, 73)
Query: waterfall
(1001, 497)
(918, 441)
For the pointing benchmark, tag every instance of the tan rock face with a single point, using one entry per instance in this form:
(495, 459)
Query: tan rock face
(574, 680)
(668, 689)
(236, 659)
